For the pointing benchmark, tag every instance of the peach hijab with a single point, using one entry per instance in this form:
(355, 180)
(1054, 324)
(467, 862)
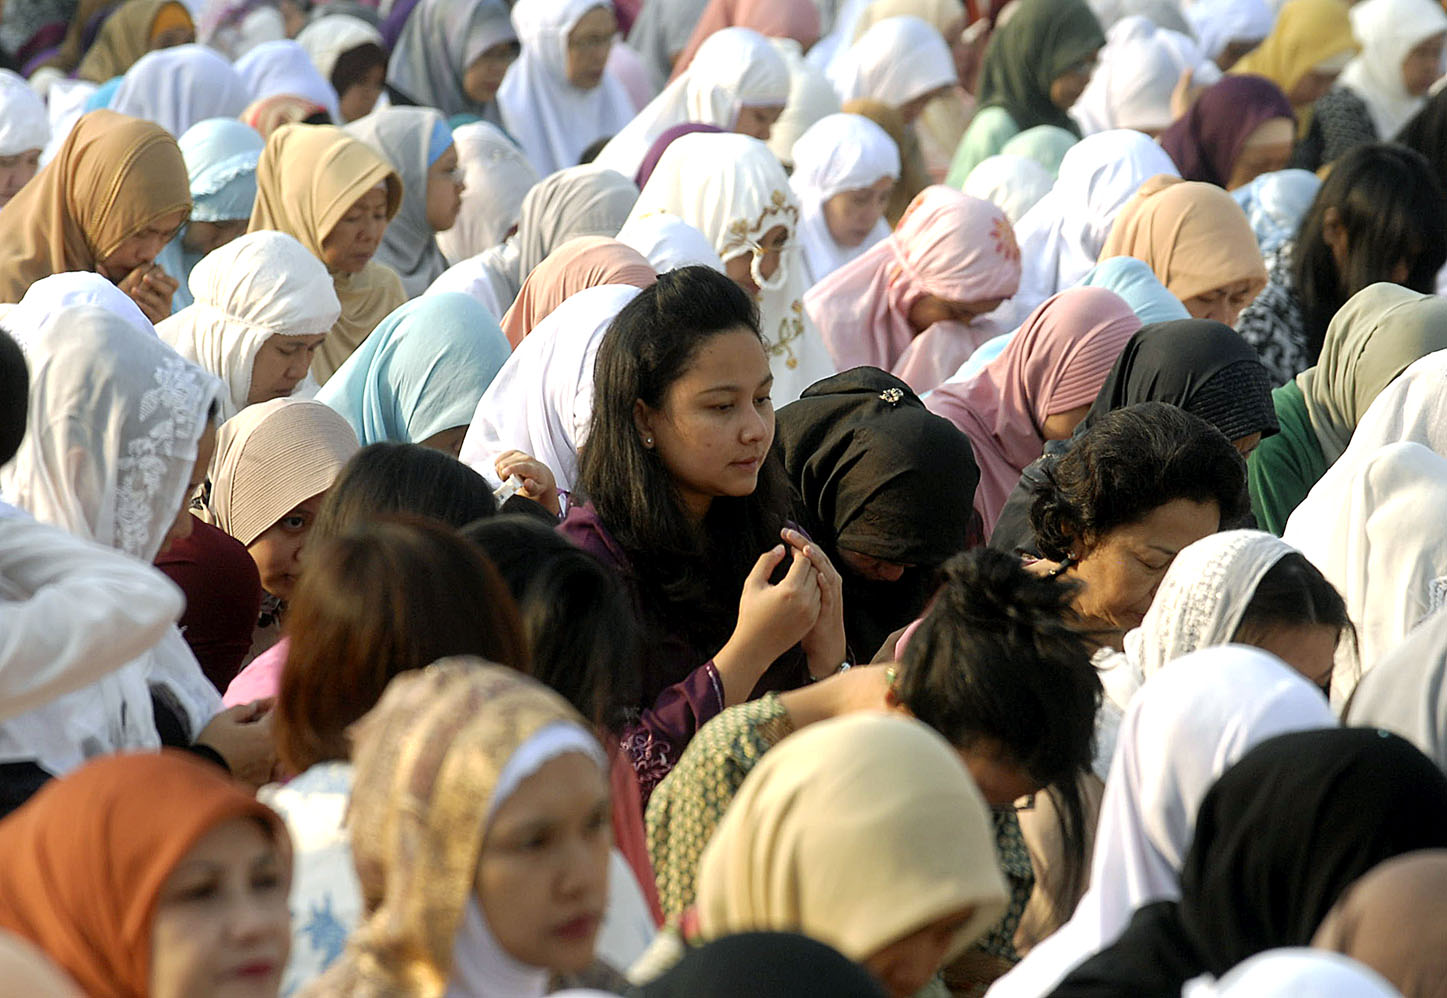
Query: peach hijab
(112, 177)
(584, 262)
(949, 245)
(308, 177)
(1058, 361)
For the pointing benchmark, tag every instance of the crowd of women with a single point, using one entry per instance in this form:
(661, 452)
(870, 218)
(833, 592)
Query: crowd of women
(723, 497)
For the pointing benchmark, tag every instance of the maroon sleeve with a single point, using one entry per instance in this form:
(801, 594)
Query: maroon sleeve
(654, 741)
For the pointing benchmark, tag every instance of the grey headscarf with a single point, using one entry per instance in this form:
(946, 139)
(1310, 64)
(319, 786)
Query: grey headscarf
(440, 40)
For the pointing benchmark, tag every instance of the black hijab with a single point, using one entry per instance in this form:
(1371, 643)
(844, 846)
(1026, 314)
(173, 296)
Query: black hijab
(763, 965)
(1278, 839)
(876, 472)
(1198, 365)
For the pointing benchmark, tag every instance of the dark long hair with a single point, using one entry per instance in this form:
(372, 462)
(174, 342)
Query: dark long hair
(690, 579)
(1392, 208)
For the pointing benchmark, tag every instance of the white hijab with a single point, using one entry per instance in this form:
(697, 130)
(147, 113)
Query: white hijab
(1139, 68)
(733, 190)
(1218, 23)
(115, 416)
(1406, 692)
(579, 201)
(895, 61)
(1199, 603)
(843, 152)
(261, 285)
(331, 36)
(283, 67)
(1014, 184)
(1292, 972)
(1062, 236)
(668, 243)
(810, 98)
(553, 120)
(1378, 534)
(542, 400)
(404, 137)
(497, 176)
(1387, 31)
(24, 122)
(1187, 727)
(178, 87)
(51, 295)
(733, 69)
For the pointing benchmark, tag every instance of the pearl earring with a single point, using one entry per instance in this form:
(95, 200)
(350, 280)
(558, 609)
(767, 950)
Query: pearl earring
(647, 441)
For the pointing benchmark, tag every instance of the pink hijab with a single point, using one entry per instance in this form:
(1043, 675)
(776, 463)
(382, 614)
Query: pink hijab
(948, 245)
(1056, 362)
(796, 19)
(583, 262)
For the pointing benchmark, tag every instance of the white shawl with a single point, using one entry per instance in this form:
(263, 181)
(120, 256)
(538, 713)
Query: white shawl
(24, 122)
(734, 69)
(843, 152)
(542, 400)
(496, 177)
(553, 120)
(733, 190)
(261, 285)
(1407, 691)
(115, 416)
(895, 61)
(179, 87)
(1187, 727)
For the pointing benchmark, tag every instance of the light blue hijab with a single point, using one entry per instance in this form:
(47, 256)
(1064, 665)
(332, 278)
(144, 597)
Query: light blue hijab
(221, 156)
(1275, 204)
(1126, 276)
(422, 371)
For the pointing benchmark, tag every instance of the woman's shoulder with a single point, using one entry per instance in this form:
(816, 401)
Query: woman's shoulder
(584, 526)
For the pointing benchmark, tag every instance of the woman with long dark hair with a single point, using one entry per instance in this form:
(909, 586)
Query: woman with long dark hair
(686, 502)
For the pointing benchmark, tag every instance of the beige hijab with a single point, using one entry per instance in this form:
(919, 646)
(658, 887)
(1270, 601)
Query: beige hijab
(307, 179)
(1193, 235)
(112, 177)
(123, 38)
(856, 832)
(271, 458)
(428, 761)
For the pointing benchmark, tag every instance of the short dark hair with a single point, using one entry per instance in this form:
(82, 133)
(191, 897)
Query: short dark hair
(385, 478)
(14, 396)
(580, 624)
(1132, 461)
(997, 657)
(388, 596)
(693, 577)
(1293, 593)
(1426, 132)
(353, 65)
(1392, 208)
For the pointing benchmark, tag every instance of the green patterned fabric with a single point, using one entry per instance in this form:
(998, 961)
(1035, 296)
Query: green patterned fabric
(689, 804)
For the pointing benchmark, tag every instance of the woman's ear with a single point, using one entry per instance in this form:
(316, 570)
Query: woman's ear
(643, 418)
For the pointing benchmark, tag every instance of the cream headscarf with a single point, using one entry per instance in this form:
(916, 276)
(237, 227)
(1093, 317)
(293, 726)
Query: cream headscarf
(271, 458)
(308, 178)
(112, 177)
(1194, 236)
(444, 747)
(856, 832)
(261, 285)
(1380, 332)
(733, 190)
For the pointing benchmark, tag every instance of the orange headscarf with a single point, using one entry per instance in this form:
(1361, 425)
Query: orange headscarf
(86, 858)
(584, 262)
(114, 175)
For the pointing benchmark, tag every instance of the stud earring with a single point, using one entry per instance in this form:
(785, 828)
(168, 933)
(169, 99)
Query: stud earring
(647, 441)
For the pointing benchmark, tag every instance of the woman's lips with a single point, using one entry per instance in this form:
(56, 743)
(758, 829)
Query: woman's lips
(578, 929)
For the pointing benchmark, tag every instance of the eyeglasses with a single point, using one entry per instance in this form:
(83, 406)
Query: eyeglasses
(592, 43)
(1017, 806)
